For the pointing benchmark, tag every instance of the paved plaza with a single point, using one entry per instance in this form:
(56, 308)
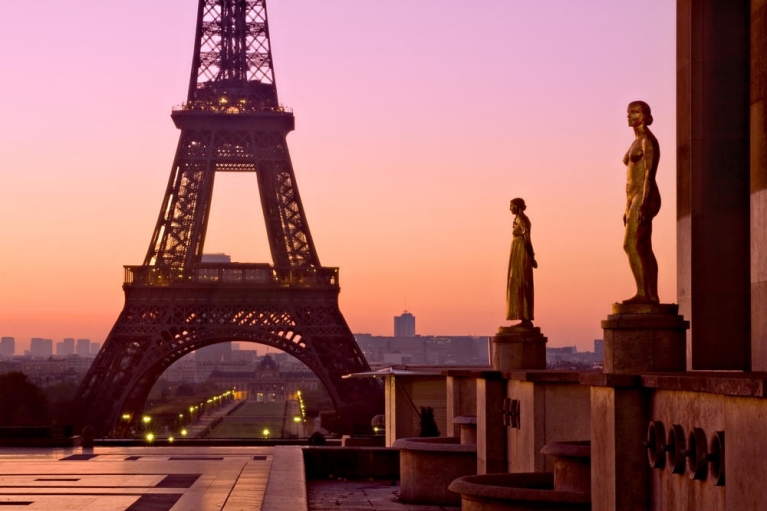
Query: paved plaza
(372, 495)
(137, 479)
(194, 478)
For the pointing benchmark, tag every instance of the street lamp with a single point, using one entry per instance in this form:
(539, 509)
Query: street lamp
(297, 422)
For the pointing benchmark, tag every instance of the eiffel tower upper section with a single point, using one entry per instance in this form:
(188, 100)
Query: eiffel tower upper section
(232, 121)
(232, 66)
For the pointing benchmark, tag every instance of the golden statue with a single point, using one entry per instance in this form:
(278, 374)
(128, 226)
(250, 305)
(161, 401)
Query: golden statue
(642, 203)
(519, 290)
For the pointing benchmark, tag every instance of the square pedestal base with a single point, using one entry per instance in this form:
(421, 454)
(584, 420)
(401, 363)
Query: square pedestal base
(645, 338)
(519, 347)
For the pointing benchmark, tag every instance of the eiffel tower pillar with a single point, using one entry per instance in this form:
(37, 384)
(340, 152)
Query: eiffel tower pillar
(175, 303)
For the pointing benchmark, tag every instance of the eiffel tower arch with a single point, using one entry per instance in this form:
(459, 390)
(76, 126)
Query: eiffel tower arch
(174, 302)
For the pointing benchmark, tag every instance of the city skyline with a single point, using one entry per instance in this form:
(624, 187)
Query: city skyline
(415, 126)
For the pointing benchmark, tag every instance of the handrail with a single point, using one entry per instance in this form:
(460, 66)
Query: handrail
(227, 108)
(231, 274)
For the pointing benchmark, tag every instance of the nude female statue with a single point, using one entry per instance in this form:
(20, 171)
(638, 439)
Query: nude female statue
(519, 290)
(642, 203)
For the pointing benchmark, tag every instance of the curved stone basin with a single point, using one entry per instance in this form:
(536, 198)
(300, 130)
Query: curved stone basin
(567, 488)
(429, 465)
(572, 465)
(517, 492)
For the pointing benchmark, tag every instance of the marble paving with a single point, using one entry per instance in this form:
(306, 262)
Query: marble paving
(135, 478)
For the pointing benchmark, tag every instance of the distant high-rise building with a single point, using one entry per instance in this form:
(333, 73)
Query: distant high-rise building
(404, 325)
(599, 348)
(65, 347)
(40, 348)
(216, 258)
(95, 347)
(7, 346)
(83, 347)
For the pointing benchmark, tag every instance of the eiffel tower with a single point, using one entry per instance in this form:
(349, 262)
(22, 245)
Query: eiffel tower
(174, 302)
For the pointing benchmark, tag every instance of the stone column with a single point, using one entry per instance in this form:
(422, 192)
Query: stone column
(491, 432)
(461, 398)
(713, 218)
(619, 471)
(759, 185)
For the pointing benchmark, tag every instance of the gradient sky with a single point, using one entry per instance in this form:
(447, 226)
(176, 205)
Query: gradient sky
(416, 122)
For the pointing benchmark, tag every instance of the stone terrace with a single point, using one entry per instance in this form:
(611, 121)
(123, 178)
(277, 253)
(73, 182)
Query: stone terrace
(182, 479)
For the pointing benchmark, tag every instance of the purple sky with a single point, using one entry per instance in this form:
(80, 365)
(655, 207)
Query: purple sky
(416, 122)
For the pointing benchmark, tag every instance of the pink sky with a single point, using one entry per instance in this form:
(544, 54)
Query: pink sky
(416, 122)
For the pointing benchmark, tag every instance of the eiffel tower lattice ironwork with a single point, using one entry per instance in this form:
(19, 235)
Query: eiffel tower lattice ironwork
(174, 302)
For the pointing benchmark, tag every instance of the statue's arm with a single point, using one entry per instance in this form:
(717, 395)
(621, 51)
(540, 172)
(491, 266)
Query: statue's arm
(648, 161)
(529, 246)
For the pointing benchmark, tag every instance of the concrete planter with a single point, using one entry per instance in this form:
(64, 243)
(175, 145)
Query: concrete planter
(429, 465)
(517, 492)
(567, 488)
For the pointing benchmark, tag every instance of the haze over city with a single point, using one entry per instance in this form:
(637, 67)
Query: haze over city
(416, 123)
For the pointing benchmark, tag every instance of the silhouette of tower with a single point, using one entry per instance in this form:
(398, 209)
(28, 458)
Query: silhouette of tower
(176, 303)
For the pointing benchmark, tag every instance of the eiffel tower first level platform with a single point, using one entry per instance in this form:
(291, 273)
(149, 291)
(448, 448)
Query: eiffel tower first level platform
(174, 302)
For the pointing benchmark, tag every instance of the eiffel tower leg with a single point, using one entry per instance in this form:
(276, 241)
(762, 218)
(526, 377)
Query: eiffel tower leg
(160, 325)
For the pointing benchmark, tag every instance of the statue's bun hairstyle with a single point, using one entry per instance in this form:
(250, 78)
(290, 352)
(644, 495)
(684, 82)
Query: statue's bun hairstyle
(520, 203)
(645, 111)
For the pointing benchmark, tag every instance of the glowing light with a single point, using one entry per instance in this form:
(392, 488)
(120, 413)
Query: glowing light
(147, 419)
(183, 432)
(296, 419)
(126, 416)
(150, 437)
(170, 439)
(266, 433)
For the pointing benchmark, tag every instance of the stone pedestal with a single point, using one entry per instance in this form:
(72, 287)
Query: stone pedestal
(519, 347)
(645, 338)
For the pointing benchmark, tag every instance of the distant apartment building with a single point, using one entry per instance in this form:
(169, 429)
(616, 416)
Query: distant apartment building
(95, 347)
(83, 348)
(569, 358)
(50, 370)
(184, 370)
(221, 352)
(248, 356)
(443, 350)
(65, 347)
(216, 258)
(40, 348)
(404, 325)
(7, 346)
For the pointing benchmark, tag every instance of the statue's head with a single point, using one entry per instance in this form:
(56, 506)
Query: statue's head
(645, 108)
(518, 203)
